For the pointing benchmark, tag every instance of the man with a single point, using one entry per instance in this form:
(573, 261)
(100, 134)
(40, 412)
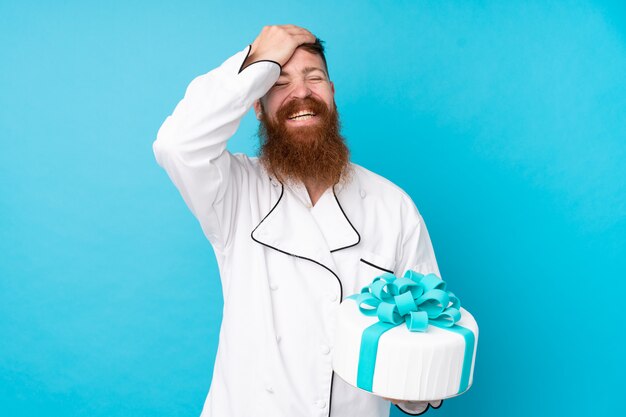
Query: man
(294, 231)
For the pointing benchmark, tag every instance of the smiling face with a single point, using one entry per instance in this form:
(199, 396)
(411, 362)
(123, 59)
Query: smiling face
(299, 129)
(303, 77)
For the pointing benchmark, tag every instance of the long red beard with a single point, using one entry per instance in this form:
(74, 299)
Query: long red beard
(316, 153)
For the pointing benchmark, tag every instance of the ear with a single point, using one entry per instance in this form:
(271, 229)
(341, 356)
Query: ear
(257, 108)
(332, 87)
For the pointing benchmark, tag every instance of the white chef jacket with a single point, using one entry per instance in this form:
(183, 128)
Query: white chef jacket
(285, 265)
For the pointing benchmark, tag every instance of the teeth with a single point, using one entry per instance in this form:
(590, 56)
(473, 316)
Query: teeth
(302, 115)
(305, 117)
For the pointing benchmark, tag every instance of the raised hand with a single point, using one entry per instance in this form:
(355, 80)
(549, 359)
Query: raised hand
(278, 43)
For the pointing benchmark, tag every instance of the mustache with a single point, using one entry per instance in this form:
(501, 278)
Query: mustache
(308, 103)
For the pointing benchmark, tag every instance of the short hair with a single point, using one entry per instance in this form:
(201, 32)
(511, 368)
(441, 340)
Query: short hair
(316, 48)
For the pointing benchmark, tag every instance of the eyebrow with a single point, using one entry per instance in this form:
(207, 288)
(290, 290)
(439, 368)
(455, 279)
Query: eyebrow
(305, 71)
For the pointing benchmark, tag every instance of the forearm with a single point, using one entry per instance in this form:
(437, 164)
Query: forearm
(191, 143)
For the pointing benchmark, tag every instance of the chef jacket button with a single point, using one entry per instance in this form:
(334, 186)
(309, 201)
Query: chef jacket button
(320, 403)
(278, 338)
(269, 389)
(273, 286)
(324, 349)
(362, 193)
(332, 297)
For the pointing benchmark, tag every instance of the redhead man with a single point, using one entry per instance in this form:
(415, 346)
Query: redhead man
(295, 230)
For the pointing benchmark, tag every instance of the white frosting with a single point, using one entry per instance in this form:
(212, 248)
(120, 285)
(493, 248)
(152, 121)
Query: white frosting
(412, 366)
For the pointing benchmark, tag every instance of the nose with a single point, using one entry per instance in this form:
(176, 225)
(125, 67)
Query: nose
(301, 89)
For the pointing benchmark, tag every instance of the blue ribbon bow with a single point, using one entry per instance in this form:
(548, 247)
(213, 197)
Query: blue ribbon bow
(415, 299)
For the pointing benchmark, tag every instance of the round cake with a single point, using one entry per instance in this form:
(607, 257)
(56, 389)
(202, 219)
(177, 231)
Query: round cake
(392, 361)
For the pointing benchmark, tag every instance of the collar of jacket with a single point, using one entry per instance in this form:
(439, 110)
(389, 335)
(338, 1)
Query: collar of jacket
(289, 227)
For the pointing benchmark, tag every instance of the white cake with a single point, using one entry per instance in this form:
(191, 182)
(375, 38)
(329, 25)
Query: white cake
(405, 365)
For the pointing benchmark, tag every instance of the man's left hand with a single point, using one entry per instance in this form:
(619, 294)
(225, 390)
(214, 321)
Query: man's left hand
(414, 407)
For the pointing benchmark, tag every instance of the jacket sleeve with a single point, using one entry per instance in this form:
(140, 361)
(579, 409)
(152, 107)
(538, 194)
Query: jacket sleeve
(417, 251)
(191, 143)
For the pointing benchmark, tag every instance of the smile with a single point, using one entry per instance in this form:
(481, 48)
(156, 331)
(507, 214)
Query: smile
(302, 115)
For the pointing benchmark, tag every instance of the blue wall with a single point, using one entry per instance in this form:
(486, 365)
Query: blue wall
(505, 121)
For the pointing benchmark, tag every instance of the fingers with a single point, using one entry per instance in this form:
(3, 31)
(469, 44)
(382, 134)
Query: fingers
(304, 38)
(301, 33)
(295, 29)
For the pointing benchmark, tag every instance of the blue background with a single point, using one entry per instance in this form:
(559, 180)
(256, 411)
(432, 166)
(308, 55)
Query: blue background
(505, 121)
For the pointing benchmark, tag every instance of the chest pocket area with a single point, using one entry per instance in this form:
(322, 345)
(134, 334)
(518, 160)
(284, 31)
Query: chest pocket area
(372, 265)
